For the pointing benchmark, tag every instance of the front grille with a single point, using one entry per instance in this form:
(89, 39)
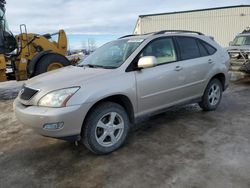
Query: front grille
(27, 93)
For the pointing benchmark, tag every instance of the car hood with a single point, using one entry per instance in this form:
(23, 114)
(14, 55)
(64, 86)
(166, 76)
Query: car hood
(238, 48)
(65, 77)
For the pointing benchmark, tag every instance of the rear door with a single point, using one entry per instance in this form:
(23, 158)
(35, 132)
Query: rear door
(197, 59)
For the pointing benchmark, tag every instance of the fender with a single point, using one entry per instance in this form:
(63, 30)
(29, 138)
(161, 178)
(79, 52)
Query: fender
(34, 60)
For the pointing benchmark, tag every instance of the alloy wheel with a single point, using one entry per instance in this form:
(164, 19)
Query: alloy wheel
(214, 94)
(109, 129)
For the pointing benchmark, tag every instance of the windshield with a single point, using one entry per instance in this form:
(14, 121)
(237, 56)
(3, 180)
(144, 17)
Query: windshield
(241, 41)
(112, 54)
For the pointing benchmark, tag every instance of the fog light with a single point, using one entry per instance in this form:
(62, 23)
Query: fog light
(53, 126)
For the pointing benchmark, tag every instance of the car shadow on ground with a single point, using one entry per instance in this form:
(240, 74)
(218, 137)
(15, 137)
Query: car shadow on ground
(48, 149)
(166, 119)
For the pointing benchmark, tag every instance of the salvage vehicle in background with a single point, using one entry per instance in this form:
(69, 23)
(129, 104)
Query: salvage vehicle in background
(28, 54)
(239, 51)
(122, 82)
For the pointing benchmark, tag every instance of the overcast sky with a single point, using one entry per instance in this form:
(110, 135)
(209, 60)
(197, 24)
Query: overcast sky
(95, 16)
(113, 17)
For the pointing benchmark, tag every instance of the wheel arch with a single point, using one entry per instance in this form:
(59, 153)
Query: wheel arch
(222, 78)
(120, 99)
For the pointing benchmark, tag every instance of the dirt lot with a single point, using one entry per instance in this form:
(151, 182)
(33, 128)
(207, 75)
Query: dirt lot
(184, 147)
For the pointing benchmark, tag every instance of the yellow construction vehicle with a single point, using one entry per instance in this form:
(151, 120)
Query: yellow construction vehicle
(27, 54)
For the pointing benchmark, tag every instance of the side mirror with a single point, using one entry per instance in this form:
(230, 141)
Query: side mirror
(231, 43)
(147, 62)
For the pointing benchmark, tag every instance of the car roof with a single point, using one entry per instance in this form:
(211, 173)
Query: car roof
(154, 35)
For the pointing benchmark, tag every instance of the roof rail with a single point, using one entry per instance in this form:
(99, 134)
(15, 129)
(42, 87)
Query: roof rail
(176, 31)
(163, 32)
(131, 35)
(128, 36)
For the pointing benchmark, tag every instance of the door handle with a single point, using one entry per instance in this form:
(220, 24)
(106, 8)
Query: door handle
(210, 61)
(178, 68)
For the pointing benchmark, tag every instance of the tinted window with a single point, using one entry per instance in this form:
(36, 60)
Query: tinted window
(203, 50)
(211, 50)
(188, 48)
(162, 49)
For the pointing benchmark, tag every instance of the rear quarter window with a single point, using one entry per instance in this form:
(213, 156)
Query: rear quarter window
(210, 49)
(203, 50)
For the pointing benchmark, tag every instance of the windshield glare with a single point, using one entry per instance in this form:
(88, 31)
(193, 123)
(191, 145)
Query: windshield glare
(112, 54)
(241, 41)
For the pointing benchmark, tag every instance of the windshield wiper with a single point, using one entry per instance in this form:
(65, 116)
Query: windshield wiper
(86, 65)
(98, 66)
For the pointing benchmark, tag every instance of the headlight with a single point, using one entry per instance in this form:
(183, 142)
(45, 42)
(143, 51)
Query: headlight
(57, 98)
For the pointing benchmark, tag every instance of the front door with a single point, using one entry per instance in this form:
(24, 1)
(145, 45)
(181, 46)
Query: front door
(160, 86)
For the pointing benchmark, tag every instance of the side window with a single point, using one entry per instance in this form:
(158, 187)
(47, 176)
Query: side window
(188, 47)
(211, 50)
(203, 50)
(162, 49)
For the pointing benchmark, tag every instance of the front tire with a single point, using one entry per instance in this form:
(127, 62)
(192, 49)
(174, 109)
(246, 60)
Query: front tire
(106, 128)
(212, 95)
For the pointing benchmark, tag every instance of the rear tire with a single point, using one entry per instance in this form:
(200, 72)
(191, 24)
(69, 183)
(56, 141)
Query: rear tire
(212, 95)
(50, 62)
(106, 128)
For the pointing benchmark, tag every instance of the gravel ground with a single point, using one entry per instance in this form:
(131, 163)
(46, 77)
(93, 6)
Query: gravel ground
(184, 147)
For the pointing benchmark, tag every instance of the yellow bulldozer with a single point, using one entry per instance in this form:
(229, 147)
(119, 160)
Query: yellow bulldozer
(27, 54)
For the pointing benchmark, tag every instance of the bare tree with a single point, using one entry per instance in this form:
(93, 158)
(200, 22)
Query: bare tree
(84, 45)
(91, 44)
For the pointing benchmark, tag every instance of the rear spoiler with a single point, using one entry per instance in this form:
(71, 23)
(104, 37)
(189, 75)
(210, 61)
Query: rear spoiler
(211, 37)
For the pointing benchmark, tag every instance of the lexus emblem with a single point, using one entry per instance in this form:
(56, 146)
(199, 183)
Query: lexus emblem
(21, 91)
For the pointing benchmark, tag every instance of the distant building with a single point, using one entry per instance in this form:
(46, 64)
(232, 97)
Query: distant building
(223, 23)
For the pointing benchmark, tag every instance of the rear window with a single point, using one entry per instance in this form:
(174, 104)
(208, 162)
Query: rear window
(188, 48)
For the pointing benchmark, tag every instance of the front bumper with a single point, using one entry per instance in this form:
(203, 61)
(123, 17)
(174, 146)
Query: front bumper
(36, 117)
(242, 65)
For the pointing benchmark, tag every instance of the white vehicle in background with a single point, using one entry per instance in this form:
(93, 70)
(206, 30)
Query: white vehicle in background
(239, 51)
